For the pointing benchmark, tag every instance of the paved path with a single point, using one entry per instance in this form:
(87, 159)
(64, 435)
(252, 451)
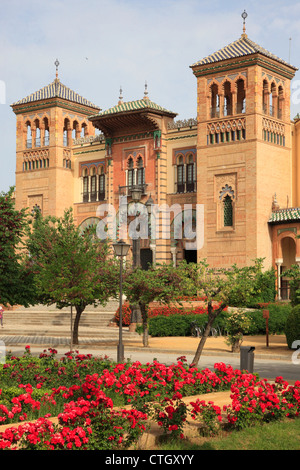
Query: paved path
(98, 339)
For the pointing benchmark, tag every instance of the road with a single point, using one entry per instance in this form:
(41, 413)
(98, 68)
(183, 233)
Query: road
(266, 367)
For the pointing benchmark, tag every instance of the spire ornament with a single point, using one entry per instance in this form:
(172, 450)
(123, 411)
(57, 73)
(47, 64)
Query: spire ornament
(244, 16)
(121, 96)
(56, 63)
(146, 92)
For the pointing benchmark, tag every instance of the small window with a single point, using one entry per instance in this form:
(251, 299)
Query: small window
(228, 212)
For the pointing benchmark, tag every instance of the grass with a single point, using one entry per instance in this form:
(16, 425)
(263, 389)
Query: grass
(282, 435)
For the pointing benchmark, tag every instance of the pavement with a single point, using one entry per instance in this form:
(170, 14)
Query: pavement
(270, 361)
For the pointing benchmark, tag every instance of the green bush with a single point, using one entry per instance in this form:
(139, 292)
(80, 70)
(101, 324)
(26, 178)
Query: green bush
(180, 325)
(277, 319)
(292, 327)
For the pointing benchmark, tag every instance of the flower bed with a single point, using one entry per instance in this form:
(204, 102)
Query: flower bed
(90, 420)
(186, 308)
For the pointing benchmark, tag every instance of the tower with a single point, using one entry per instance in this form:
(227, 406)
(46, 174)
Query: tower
(47, 122)
(243, 149)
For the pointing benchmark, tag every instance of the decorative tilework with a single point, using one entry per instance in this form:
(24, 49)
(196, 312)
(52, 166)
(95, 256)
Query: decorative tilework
(56, 89)
(242, 47)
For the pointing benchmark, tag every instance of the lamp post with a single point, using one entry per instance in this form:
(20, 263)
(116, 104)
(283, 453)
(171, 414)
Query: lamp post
(121, 249)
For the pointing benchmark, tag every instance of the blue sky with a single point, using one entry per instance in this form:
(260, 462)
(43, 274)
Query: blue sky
(102, 44)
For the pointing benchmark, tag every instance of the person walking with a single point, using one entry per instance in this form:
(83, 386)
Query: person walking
(1, 315)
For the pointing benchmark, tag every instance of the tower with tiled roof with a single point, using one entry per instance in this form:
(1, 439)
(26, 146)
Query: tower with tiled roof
(244, 148)
(47, 122)
(135, 133)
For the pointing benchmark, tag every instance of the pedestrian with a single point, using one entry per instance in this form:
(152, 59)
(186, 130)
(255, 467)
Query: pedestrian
(1, 315)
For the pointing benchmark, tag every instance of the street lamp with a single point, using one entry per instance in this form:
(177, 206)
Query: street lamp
(121, 249)
(136, 193)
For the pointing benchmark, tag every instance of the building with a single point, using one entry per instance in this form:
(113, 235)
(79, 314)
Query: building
(238, 161)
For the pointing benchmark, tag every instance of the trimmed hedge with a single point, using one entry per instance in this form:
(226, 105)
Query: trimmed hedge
(292, 327)
(180, 325)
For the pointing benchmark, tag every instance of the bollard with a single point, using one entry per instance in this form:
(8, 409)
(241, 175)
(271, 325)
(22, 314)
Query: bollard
(247, 358)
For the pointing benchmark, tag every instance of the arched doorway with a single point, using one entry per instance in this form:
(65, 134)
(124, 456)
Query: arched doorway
(288, 249)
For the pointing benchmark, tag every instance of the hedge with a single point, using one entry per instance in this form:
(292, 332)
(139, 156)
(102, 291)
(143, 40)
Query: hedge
(180, 325)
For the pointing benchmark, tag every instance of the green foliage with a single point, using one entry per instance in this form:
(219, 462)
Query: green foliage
(294, 281)
(180, 325)
(70, 268)
(237, 324)
(161, 283)
(15, 281)
(251, 285)
(292, 328)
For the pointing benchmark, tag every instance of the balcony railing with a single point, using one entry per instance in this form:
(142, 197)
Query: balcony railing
(240, 108)
(126, 190)
(93, 196)
(272, 111)
(186, 187)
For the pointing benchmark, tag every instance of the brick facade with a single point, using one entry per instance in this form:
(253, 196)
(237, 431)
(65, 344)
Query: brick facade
(239, 153)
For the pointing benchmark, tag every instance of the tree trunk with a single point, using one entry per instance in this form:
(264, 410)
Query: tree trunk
(79, 310)
(212, 315)
(145, 325)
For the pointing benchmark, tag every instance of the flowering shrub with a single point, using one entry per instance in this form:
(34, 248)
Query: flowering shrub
(237, 324)
(89, 420)
(126, 314)
(210, 416)
(171, 414)
(164, 310)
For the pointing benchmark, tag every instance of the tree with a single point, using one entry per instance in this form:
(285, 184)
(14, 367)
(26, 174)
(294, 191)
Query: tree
(15, 281)
(70, 268)
(218, 287)
(161, 283)
(293, 274)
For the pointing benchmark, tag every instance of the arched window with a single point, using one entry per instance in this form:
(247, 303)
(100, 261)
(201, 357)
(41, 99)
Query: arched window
(37, 142)
(280, 102)
(46, 132)
(190, 174)
(180, 175)
(85, 185)
(228, 211)
(101, 192)
(65, 132)
(215, 101)
(227, 99)
(28, 135)
(83, 130)
(266, 97)
(140, 172)
(240, 97)
(130, 173)
(93, 184)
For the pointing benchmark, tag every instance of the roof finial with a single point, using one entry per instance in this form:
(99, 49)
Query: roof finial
(146, 91)
(56, 63)
(244, 16)
(121, 96)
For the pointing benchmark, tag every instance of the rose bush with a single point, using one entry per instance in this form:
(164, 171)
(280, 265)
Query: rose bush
(89, 419)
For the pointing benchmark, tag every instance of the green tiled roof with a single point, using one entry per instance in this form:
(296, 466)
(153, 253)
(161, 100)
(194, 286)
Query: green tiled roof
(239, 48)
(144, 103)
(56, 89)
(285, 215)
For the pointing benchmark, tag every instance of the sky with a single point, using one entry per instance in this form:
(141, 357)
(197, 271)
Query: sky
(103, 45)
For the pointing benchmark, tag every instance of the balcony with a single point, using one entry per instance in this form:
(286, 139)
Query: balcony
(272, 111)
(127, 190)
(186, 187)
